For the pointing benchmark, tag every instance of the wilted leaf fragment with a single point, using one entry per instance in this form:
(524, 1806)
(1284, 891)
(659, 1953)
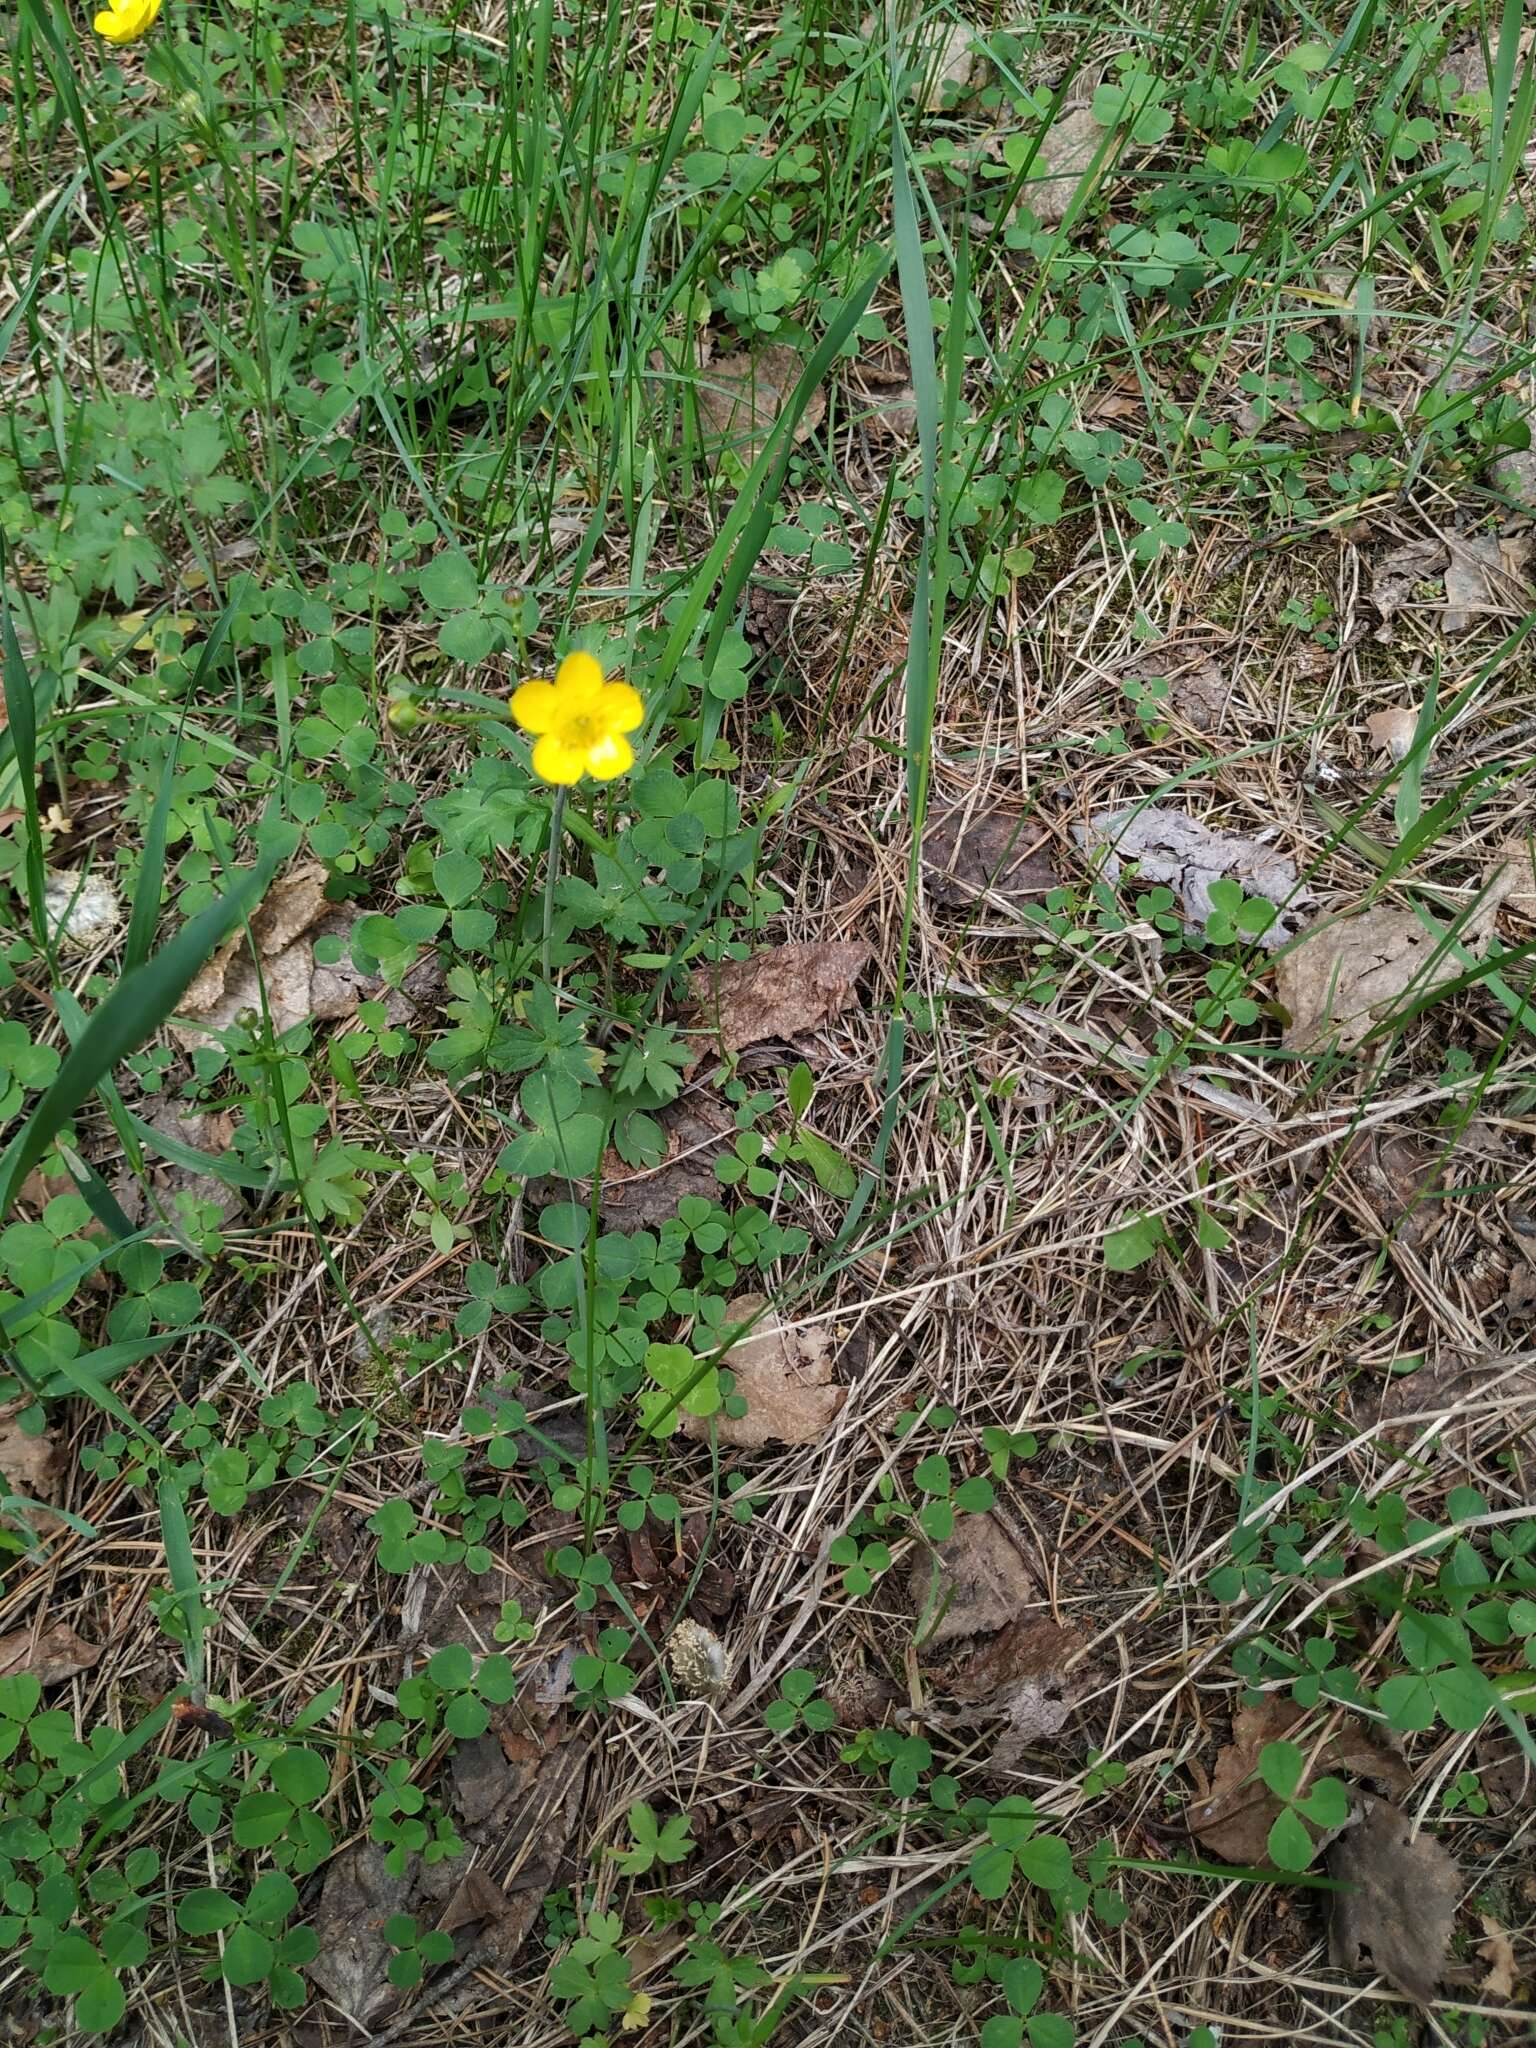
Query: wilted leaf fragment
(1235, 1818)
(1345, 974)
(785, 1376)
(992, 851)
(779, 993)
(1391, 732)
(1486, 578)
(32, 1466)
(940, 60)
(1068, 148)
(1397, 1917)
(975, 1583)
(57, 1653)
(740, 398)
(1021, 1673)
(1173, 849)
(293, 915)
(1398, 579)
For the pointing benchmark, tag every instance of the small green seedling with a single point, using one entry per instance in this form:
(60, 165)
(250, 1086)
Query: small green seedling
(1282, 1766)
(419, 1949)
(797, 1705)
(651, 1844)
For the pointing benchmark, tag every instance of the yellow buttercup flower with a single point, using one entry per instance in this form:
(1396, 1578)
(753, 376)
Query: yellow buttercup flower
(124, 21)
(579, 722)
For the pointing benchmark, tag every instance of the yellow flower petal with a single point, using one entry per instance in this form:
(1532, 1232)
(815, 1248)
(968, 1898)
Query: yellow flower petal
(556, 760)
(619, 708)
(536, 706)
(126, 22)
(610, 756)
(578, 679)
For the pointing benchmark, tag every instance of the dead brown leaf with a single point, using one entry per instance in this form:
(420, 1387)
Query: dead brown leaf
(1021, 1673)
(1201, 695)
(1498, 1952)
(1346, 974)
(1400, 1175)
(55, 1654)
(968, 853)
(1515, 475)
(1486, 579)
(511, 1857)
(697, 1132)
(1399, 577)
(740, 397)
(1397, 1916)
(940, 60)
(477, 1898)
(30, 1465)
(1391, 732)
(229, 985)
(784, 1374)
(880, 392)
(780, 993)
(1171, 848)
(978, 1581)
(1234, 1818)
(1513, 876)
(1069, 147)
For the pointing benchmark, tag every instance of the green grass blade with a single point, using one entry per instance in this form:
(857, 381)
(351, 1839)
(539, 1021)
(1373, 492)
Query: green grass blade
(21, 717)
(182, 1566)
(136, 1008)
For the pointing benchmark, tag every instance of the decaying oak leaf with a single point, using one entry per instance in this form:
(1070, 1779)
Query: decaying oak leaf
(1345, 974)
(1402, 576)
(780, 993)
(1391, 732)
(740, 398)
(292, 916)
(978, 1581)
(1397, 1916)
(1235, 1817)
(989, 851)
(1068, 149)
(1485, 578)
(29, 1465)
(697, 1132)
(53, 1654)
(1170, 847)
(784, 1375)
